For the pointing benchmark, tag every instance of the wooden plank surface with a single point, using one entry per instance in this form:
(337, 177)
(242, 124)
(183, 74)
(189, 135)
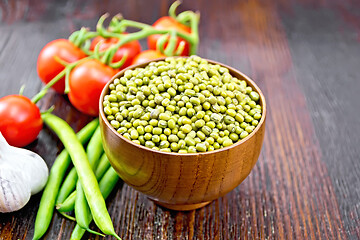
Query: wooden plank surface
(304, 55)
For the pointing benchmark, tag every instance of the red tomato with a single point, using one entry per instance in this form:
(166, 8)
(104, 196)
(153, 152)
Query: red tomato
(86, 82)
(131, 48)
(20, 120)
(48, 67)
(147, 55)
(165, 23)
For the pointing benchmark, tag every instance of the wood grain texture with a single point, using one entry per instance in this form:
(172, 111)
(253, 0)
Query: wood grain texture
(305, 184)
(337, 126)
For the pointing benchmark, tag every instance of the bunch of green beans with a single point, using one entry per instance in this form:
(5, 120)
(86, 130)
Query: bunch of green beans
(94, 152)
(183, 105)
(64, 202)
(57, 173)
(88, 200)
(67, 205)
(106, 184)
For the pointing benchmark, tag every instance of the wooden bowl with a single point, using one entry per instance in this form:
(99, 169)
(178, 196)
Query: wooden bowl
(182, 181)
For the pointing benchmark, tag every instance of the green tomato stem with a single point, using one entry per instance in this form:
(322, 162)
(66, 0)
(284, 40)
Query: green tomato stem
(43, 91)
(69, 68)
(67, 84)
(90, 35)
(184, 17)
(119, 63)
(146, 30)
(114, 22)
(59, 60)
(172, 9)
(49, 110)
(180, 48)
(160, 43)
(169, 50)
(118, 25)
(80, 37)
(65, 72)
(73, 36)
(99, 25)
(22, 88)
(107, 57)
(86, 47)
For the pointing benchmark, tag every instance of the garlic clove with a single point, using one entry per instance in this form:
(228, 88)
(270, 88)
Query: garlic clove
(22, 174)
(14, 189)
(37, 171)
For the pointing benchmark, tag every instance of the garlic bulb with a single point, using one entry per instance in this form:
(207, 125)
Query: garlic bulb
(14, 189)
(22, 174)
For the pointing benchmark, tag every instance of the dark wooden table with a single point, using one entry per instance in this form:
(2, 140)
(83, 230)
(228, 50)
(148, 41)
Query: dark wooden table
(304, 55)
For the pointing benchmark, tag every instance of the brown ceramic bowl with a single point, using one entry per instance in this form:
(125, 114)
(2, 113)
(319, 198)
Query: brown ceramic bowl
(182, 181)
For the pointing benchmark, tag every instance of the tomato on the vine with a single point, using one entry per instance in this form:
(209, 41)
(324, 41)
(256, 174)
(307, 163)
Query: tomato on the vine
(86, 82)
(165, 23)
(20, 120)
(147, 55)
(131, 49)
(47, 65)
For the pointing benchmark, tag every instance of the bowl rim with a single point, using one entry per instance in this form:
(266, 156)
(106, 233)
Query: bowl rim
(105, 91)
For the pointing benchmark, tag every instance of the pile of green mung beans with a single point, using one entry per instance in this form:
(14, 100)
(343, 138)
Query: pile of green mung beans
(183, 105)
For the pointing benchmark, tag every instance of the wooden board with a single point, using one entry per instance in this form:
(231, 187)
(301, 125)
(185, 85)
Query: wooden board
(304, 55)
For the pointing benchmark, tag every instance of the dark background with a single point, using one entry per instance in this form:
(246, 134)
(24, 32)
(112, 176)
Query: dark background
(304, 55)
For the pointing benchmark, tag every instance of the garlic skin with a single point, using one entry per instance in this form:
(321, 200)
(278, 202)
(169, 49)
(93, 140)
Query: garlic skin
(35, 168)
(22, 174)
(14, 189)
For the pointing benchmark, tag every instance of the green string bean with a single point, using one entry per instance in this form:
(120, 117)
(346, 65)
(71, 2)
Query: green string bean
(68, 204)
(85, 172)
(106, 185)
(94, 151)
(82, 210)
(67, 187)
(57, 172)
(103, 166)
